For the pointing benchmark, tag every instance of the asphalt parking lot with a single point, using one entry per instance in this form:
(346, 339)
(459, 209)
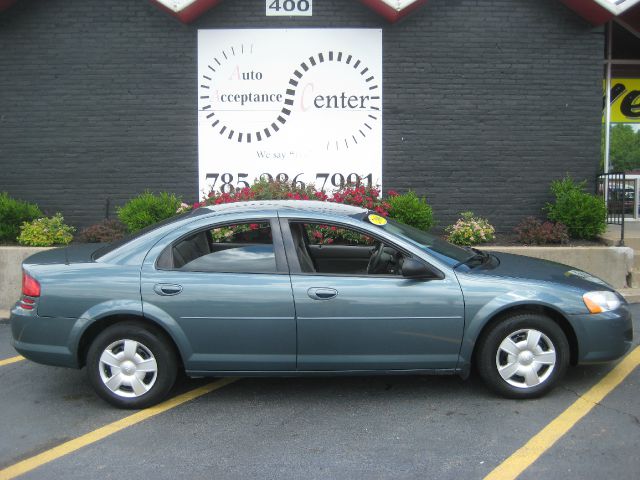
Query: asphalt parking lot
(53, 426)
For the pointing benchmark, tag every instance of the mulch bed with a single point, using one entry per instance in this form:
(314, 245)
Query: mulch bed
(511, 240)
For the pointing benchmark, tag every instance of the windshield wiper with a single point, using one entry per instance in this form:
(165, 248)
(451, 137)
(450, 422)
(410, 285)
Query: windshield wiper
(477, 256)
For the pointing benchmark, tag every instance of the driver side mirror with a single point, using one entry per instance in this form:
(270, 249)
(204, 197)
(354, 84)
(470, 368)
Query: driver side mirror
(414, 269)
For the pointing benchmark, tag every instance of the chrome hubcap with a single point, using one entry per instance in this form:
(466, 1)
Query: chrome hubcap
(526, 358)
(128, 368)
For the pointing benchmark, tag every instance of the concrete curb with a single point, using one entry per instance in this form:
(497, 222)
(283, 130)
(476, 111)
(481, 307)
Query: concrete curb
(631, 295)
(11, 273)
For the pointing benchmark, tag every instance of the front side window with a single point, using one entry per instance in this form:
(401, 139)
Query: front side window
(232, 248)
(335, 249)
(322, 234)
(445, 251)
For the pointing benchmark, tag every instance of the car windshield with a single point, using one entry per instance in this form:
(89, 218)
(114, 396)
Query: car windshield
(128, 238)
(441, 249)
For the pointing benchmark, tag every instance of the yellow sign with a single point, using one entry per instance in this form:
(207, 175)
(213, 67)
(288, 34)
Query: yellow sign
(377, 219)
(625, 100)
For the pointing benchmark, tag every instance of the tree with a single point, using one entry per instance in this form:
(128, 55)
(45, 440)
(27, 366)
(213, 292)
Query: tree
(624, 153)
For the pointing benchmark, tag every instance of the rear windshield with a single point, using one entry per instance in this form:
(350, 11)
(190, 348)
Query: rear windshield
(128, 238)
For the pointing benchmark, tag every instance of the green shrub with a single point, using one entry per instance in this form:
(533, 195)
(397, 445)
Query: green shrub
(147, 209)
(45, 232)
(105, 231)
(13, 213)
(412, 210)
(585, 215)
(470, 230)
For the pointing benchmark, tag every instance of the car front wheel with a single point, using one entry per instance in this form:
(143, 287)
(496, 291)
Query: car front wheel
(523, 356)
(131, 366)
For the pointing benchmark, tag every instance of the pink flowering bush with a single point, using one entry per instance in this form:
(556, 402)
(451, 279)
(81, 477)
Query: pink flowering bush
(275, 190)
(358, 195)
(330, 235)
(361, 196)
(470, 230)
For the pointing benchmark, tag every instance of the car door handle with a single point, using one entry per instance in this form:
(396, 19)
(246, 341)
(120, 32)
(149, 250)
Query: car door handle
(167, 289)
(322, 293)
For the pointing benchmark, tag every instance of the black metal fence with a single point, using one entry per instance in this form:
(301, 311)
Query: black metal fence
(618, 197)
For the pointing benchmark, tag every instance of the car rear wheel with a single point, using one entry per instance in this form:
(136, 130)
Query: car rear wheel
(523, 356)
(131, 366)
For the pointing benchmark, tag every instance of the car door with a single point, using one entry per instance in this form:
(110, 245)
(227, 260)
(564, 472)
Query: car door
(360, 321)
(229, 293)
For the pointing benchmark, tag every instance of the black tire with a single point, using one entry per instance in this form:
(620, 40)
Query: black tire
(491, 354)
(150, 344)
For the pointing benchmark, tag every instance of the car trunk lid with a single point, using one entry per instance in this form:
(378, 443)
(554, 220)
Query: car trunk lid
(73, 254)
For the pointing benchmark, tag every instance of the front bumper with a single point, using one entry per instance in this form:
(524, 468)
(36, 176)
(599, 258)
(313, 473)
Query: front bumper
(43, 339)
(604, 336)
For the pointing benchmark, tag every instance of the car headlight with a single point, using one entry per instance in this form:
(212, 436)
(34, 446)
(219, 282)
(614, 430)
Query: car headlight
(601, 301)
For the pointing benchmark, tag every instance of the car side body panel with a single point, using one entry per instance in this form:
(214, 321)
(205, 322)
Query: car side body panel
(378, 323)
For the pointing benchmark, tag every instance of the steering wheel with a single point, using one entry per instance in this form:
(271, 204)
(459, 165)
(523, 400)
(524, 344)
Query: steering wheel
(376, 259)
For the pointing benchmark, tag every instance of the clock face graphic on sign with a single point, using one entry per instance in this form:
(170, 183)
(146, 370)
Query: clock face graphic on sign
(331, 94)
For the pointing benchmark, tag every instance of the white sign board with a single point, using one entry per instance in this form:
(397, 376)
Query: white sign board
(299, 105)
(289, 8)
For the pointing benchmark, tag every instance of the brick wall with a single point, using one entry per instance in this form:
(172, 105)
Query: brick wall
(485, 102)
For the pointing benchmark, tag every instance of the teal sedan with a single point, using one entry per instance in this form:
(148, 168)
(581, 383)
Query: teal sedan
(285, 288)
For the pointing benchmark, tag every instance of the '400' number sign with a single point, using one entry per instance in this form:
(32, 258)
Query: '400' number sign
(289, 8)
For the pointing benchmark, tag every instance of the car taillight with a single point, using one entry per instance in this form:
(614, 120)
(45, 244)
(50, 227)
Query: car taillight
(30, 286)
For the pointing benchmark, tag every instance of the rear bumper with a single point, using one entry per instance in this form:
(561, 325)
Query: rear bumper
(603, 337)
(42, 339)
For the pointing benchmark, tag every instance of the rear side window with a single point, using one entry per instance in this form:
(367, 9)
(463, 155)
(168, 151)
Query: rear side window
(129, 238)
(233, 248)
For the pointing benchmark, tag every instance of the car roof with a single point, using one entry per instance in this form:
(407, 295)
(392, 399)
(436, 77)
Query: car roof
(288, 205)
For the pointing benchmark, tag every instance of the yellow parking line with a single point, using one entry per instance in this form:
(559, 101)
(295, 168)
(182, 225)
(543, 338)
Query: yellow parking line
(61, 450)
(7, 361)
(541, 442)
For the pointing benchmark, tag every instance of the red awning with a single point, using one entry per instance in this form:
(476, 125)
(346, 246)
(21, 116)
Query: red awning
(185, 10)
(188, 10)
(4, 4)
(631, 18)
(394, 10)
(598, 12)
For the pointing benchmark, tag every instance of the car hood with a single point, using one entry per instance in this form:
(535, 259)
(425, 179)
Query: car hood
(527, 268)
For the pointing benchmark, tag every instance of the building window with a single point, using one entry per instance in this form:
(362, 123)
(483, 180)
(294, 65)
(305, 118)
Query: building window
(621, 139)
